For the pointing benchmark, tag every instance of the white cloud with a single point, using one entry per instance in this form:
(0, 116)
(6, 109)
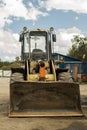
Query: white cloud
(17, 9)
(9, 46)
(64, 37)
(79, 6)
(10, 8)
(16, 36)
(9, 58)
(34, 13)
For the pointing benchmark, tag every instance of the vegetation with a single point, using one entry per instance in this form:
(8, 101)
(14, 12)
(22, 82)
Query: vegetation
(8, 65)
(79, 48)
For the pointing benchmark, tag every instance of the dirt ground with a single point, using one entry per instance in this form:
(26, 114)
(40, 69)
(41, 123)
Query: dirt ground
(69, 123)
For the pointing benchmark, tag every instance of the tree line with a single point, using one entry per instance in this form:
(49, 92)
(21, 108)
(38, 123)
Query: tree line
(79, 48)
(6, 65)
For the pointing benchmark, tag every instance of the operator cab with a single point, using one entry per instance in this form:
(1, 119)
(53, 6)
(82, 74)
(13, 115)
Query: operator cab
(36, 44)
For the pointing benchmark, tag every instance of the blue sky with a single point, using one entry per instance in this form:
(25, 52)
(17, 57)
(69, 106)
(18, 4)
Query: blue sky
(67, 17)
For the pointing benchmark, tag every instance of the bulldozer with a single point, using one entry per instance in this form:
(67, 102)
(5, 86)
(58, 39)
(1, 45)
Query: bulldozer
(41, 87)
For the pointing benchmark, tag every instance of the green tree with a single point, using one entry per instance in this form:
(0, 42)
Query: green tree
(17, 59)
(1, 63)
(79, 48)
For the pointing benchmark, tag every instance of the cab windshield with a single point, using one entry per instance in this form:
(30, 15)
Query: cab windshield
(38, 45)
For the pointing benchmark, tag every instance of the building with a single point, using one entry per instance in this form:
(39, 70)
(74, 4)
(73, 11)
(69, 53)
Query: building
(77, 68)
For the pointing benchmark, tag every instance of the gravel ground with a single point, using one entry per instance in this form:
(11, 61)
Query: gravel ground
(69, 123)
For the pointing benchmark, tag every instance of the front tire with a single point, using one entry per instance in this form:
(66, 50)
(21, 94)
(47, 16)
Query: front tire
(65, 76)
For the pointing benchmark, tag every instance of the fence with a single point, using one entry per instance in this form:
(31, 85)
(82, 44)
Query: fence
(5, 73)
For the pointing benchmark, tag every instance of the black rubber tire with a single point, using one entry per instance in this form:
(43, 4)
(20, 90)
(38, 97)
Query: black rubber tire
(65, 76)
(17, 76)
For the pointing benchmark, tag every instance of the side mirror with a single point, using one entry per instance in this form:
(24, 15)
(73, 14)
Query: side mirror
(21, 38)
(54, 37)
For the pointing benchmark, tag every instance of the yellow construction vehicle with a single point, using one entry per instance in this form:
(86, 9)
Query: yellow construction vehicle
(40, 87)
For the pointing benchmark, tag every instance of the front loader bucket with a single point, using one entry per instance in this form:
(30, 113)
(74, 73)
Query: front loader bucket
(31, 99)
